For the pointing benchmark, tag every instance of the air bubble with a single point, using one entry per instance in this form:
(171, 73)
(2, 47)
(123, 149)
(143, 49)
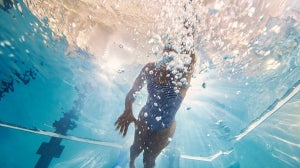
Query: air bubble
(121, 70)
(22, 39)
(7, 43)
(145, 114)
(158, 118)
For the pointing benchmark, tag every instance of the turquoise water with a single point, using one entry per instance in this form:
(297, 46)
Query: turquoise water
(231, 117)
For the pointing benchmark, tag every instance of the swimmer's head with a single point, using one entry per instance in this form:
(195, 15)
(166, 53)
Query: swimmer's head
(166, 59)
(169, 48)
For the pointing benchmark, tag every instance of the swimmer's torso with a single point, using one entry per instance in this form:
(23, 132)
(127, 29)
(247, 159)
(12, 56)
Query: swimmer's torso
(163, 100)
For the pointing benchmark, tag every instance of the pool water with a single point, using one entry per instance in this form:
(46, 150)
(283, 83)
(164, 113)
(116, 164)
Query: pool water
(66, 68)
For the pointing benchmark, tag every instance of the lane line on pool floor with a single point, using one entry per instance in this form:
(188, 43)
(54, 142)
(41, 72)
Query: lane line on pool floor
(275, 106)
(102, 143)
(68, 137)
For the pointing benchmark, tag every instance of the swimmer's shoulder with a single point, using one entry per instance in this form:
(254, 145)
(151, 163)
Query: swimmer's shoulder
(148, 69)
(150, 65)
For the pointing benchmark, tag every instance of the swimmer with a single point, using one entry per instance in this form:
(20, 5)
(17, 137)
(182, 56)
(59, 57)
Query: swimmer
(156, 124)
(167, 85)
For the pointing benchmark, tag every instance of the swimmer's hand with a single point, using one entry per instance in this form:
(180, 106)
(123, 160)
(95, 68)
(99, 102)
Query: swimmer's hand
(123, 122)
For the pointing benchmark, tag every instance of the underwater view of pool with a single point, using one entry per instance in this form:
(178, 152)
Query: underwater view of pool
(66, 67)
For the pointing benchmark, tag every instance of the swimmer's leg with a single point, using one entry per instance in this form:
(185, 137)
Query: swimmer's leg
(138, 143)
(158, 140)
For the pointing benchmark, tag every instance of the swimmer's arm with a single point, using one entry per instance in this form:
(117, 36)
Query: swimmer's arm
(137, 86)
(191, 67)
(127, 117)
(188, 75)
